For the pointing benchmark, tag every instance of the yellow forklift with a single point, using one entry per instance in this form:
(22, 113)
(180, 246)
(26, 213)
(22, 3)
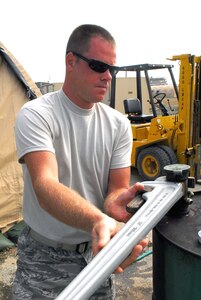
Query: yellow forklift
(166, 135)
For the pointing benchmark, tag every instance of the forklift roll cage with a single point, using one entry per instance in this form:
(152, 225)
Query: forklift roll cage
(140, 70)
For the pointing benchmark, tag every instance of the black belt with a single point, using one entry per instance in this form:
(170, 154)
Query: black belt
(79, 248)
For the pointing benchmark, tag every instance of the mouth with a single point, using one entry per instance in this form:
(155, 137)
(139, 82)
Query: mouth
(102, 87)
(102, 90)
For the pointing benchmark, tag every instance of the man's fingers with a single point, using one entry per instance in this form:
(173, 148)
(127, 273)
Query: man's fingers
(136, 187)
(133, 256)
(128, 195)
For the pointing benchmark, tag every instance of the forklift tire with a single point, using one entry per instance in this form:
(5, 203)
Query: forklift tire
(170, 152)
(151, 161)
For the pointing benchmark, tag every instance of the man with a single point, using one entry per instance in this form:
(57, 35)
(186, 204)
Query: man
(75, 152)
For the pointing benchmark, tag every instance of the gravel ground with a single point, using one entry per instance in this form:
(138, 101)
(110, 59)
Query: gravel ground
(7, 270)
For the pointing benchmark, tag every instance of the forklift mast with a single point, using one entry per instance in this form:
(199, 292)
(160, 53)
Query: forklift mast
(189, 128)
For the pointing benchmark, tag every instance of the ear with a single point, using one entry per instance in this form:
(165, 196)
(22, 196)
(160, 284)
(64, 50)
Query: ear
(70, 59)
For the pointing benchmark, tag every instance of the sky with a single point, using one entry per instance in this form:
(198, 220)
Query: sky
(146, 31)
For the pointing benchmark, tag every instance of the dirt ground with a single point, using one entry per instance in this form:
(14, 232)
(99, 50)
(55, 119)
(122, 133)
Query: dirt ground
(136, 282)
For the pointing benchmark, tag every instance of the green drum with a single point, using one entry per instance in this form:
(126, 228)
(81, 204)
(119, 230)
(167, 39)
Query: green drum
(177, 256)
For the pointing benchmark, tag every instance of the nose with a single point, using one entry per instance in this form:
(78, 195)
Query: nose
(106, 75)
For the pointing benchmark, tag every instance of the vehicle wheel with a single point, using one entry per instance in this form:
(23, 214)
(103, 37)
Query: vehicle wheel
(151, 161)
(171, 154)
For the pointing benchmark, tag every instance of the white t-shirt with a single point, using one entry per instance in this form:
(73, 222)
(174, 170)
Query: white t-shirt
(86, 143)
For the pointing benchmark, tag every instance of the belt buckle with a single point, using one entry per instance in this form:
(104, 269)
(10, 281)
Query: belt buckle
(81, 248)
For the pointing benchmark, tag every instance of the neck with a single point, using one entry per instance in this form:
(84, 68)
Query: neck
(79, 102)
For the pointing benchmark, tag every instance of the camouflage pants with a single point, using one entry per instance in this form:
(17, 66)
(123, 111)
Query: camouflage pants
(43, 272)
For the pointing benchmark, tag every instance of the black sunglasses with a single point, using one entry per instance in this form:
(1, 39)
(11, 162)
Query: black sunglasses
(98, 66)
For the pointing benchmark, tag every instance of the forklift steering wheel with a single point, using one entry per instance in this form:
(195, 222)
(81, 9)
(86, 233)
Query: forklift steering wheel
(159, 97)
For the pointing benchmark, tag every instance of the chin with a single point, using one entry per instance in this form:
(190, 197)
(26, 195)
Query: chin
(98, 100)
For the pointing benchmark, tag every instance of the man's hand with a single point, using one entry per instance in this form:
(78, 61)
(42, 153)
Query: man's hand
(116, 206)
(103, 232)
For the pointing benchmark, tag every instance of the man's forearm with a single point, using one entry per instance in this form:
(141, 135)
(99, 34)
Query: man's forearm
(66, 205)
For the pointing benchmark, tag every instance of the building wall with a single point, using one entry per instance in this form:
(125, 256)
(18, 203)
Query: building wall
(47, 87)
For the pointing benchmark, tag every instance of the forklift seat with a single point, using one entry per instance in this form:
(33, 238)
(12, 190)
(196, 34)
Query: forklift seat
(133, 108)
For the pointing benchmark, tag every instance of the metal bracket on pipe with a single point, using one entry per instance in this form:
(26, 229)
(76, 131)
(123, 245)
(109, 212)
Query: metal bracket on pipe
(160, 198)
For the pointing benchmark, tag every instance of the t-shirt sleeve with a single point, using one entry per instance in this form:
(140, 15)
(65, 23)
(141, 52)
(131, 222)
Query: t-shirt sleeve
(121, 157)
(32, 133)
